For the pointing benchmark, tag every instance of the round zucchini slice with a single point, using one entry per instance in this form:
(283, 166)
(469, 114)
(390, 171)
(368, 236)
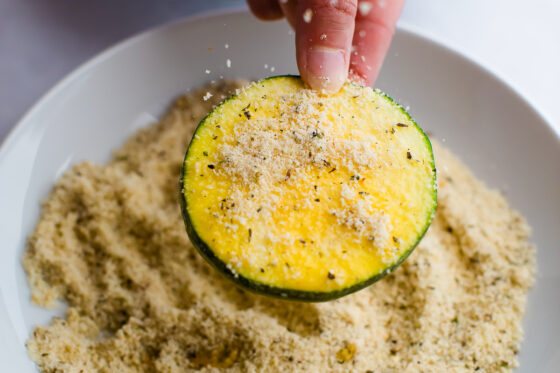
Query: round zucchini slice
(305, 196)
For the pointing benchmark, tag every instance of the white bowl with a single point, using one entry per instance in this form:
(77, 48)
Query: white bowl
(91, 112)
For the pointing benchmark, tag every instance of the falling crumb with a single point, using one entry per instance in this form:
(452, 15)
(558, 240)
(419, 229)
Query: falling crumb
(266, 66)
(364, 7)
(207, 96)
(226, 46)
(323, 36)
(207, 71)
(362, 33)
(307, 15)
(228, 63)
(272, 68)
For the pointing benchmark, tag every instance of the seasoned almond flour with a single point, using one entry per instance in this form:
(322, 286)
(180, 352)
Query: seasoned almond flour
(111, 242)
(263, 155)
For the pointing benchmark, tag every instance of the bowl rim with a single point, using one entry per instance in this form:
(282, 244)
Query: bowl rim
(486, 67)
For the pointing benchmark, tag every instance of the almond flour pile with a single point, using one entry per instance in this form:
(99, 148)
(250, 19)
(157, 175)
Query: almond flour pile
(111, 242)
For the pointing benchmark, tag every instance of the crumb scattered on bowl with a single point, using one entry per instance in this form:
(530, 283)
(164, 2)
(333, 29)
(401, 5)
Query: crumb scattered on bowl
(111, 242)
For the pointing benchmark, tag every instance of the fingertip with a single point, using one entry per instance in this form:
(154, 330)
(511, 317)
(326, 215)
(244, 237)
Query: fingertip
(375, 22)
(323, 37)
(369, 50)
(325, 69)
(355, 77)
(325, 84)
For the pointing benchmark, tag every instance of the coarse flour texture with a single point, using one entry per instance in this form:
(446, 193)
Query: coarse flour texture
(111, 243)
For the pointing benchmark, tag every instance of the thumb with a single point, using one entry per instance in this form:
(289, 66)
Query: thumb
(324, 30)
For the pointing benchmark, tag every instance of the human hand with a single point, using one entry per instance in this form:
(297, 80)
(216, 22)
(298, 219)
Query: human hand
(336, 39)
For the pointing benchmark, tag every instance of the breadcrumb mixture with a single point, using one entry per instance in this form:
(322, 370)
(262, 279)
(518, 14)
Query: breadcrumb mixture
(266, 154)
(111, 243)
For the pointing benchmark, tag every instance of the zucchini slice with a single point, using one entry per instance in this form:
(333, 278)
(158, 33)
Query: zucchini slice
(295, 194)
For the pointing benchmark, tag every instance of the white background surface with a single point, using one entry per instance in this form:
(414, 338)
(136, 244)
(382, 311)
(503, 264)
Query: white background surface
(43, 40)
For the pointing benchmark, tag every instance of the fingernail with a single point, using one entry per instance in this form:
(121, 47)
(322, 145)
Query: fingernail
(326, 69)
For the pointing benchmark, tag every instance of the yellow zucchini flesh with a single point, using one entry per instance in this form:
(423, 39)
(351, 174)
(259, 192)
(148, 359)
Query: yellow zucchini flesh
(305, 196)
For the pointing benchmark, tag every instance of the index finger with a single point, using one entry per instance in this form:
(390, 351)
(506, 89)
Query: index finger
(375, 23)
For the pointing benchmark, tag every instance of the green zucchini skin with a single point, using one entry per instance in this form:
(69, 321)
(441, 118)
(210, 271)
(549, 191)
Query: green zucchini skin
(291, 294)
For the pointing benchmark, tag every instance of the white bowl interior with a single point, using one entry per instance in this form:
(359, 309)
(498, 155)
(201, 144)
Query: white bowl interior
(96, 108)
